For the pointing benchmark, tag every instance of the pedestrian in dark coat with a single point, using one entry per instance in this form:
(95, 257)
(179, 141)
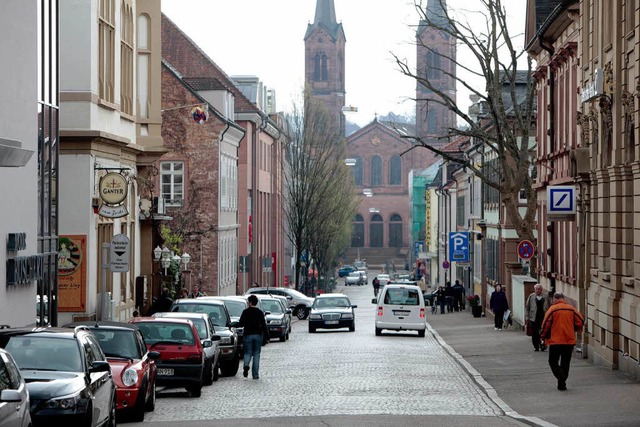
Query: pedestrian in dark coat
(499, 305)
(255, 331)
(458, 296)
(440, 297)
(448, 294)
(162, 303)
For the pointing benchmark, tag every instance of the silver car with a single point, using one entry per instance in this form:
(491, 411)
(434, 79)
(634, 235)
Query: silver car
(14, 399)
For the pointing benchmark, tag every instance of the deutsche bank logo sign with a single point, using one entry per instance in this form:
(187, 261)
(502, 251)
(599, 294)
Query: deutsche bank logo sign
(458, 246)
(561, 200)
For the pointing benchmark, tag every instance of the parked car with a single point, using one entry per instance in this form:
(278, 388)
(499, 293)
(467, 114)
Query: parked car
(430, 297)
(384, 279)
(217, 311)
(14, 398)
(354, 278)
(332, 311)
(181, 361)
(67, 374)
(132, 365)
(235, 306)
(345, 270)
(276, 316)
(288, 312)
(400, 307)
(208, 339)
(299, 303)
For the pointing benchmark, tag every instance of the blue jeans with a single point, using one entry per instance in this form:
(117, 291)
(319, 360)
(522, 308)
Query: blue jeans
(252, 347)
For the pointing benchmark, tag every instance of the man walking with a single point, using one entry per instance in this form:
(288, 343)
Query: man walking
(559, 328)
(534, 309)
(458, 296)
(255, 327)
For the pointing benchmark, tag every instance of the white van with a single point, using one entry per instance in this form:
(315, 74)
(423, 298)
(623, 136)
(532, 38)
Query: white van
(400, 307)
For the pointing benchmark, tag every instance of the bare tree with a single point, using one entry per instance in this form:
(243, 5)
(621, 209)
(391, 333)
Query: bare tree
(319, 189)
(508, 99)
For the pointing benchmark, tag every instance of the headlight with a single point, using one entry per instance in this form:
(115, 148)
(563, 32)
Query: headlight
(68, 402)
(275, 322)
(347, 316)
(315, 317)
(130, 377)
(225, 340)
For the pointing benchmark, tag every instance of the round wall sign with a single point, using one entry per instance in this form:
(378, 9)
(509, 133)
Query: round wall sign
(113, 188)
(525, 249)
(446, 264)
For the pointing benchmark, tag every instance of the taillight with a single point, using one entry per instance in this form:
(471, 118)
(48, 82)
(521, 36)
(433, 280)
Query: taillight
(379, 311)
(195, 358)
(422, 313)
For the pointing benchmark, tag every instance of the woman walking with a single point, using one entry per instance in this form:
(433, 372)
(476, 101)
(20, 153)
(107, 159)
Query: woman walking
(499, 305)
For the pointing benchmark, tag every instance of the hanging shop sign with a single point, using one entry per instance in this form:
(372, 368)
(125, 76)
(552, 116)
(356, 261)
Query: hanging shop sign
(113, 189)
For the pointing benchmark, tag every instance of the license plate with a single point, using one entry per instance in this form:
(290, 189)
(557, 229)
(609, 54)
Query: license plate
(165, 371)
(331, 322)
(401, 312)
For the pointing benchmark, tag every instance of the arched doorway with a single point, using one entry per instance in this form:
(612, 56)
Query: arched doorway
(395, 231)
(376, 231)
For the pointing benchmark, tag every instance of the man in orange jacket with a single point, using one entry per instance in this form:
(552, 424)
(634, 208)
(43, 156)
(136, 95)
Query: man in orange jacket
(559, 332)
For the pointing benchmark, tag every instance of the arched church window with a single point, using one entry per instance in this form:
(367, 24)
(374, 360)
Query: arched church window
(376, 171)
(357, 171)
(395, 231)
(395, 170)
(357, 232)
(376, 231)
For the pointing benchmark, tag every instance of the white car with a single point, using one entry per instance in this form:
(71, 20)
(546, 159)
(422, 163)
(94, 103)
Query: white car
(384, 279)
(400, 307)
(354, 278)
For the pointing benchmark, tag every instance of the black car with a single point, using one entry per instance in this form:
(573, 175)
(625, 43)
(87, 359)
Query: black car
(332, 311)
(276, 316)
(67, 374)
(235, 304)
(217, 311)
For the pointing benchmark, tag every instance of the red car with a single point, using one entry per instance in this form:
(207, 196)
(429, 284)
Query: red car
(182, 359)
(133, 367)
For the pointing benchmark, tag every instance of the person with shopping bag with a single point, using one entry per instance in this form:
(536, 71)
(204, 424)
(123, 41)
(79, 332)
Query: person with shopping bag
(498, 305)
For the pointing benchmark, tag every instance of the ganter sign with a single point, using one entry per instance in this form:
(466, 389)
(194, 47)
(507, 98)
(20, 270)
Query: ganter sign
(113, 191)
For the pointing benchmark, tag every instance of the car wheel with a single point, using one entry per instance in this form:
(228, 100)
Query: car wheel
(208, 373)
(312, 329)
(378, 332)
(301, 313)
(151, 403)
(137, 414)
(352, 328)
(216, 372)
(230, 367)
(283, 337)
(195, 390)
(286, 337)
(421, 333)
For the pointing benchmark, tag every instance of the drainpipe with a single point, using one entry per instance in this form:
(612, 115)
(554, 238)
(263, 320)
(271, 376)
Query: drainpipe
(552, 144)
(438, 191)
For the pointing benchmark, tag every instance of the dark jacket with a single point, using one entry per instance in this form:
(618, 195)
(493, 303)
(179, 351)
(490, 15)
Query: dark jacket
(162, 304)
(252, 320)
(458, 290)
(499, 302)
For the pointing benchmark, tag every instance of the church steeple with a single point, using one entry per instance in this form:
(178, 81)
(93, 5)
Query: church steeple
(436, 12)
(324, 45)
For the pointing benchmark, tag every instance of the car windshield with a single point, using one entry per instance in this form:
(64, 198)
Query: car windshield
(235, 307)
(296, 294)
(215, 311)
(176, 333)
(272, 306)
(61, 354)
(332, 302)
(118, 343)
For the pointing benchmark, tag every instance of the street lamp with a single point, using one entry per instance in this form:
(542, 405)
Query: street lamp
(186, 258)
(165, 261)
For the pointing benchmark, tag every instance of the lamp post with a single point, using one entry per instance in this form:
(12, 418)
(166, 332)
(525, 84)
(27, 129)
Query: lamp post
(164, 261)
(186, 258)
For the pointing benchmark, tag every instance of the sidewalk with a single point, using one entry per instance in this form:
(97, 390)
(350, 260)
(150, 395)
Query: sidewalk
(520, 381)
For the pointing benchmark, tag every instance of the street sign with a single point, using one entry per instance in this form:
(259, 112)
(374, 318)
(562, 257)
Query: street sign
(119, 254)
(525, 249)
(561, 200)
(446, 264)
(418, 247)
(458, 246)
(244, 263)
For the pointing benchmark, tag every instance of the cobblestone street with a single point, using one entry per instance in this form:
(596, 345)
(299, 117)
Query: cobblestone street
(340, 373)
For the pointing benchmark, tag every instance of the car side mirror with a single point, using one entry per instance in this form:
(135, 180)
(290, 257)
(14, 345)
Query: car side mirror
(354, 306)
(267, 313)
(215, 337)
(153, 355)
(10, 396)
(235, 324)
(289, 297)
(207, 343)
(99, 366)
(287, 311)
(374, 300)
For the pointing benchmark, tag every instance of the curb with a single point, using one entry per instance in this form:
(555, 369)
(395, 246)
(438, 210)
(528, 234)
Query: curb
(488, 389)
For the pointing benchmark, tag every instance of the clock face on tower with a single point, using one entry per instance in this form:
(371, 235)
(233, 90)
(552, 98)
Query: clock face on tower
(375, 140)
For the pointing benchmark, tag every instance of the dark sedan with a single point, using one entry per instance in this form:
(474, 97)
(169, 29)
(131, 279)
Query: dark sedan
(332, 311)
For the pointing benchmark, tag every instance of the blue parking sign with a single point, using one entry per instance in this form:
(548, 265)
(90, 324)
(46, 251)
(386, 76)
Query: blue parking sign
(458, 246)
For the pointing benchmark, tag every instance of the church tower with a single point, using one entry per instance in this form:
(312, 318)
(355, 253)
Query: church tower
(324, 47)
(436, 58)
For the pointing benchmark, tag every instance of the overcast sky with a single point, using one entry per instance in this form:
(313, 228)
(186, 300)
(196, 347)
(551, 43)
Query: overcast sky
(266, 39)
